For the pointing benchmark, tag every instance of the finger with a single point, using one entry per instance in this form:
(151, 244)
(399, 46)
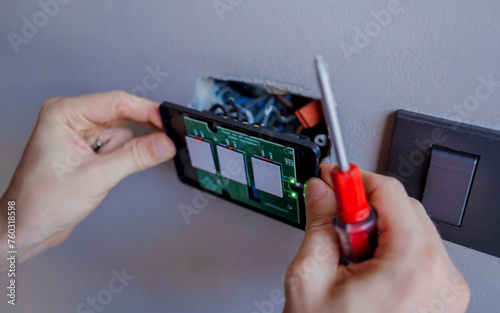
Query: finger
(398, 224)
(397, 220)
(114, 108)
(422, 216)
(52, 100)
(319, 232)
(428, 226)
(321, 204)
(386, 195)
(113, 138)
(389, 198)
(136, 155)
(326, 173)
(315, 264)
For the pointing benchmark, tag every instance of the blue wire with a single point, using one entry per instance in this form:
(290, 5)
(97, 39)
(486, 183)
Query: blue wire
(243, 100)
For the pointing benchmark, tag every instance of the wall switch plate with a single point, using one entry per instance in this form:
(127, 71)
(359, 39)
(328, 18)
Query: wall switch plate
(467, 158)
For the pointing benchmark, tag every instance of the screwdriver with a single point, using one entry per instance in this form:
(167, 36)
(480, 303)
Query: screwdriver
(355, 221)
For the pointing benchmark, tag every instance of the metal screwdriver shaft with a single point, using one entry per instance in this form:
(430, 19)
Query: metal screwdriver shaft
(331, 117)
(355, 221)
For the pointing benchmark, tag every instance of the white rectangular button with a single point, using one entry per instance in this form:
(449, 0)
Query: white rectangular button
(201, 155)
(267, 176)
(232, 164)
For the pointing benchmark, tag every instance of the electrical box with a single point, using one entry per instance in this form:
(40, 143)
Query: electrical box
(252, 145)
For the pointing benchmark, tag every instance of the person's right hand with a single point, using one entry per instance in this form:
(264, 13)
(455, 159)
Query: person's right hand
(410, 271)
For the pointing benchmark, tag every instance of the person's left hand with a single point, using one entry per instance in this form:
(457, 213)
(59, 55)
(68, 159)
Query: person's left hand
(60, 179)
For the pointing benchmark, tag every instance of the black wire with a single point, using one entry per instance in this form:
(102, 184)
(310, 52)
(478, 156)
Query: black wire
(219, 106)
(234, 107)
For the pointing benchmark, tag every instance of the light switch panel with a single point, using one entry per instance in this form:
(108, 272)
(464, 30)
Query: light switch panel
(454, 169)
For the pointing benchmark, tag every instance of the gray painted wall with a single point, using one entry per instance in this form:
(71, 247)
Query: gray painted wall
(427, 58)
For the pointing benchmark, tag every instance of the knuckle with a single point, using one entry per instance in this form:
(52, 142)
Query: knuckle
(120, 103)
(415, 203)
(119, 94)
(291, 271)
(121, 97)
(395, 184)
(422, 264)
(292, 277)
(296, 267)
(50, 104)
(316, 220)
(430, 264)
(418, 206)
(138, 157)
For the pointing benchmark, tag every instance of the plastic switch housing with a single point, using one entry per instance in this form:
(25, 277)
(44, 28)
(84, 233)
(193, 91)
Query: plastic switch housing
(448, 184)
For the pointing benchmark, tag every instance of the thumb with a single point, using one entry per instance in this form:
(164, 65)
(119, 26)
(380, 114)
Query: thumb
(320, 233)
(136, 155)
(320, 204)
(320, 209)
(318, 257)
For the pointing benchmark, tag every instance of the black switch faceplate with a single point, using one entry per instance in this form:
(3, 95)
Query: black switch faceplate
(414, 136)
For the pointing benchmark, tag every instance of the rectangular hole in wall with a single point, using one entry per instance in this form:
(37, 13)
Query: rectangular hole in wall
(278, 110)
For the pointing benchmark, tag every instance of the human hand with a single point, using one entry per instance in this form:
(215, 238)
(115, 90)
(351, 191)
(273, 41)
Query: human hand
(60, 179)
(410, 271)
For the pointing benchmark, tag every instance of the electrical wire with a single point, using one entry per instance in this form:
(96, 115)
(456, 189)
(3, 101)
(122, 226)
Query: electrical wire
(216, 106)
(254, 107)
(234, 108)
(249, 116)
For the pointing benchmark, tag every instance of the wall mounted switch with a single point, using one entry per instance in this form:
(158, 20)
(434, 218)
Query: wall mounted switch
(447, 186)
(454, 170)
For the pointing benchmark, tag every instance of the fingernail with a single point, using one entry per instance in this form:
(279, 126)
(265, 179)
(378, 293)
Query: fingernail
(315, 189)
(163, 146)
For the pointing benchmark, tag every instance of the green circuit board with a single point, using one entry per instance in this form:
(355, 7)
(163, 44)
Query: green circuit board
(258, 153)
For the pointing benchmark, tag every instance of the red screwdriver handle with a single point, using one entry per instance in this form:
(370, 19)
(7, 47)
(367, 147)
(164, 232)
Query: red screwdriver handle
(352, 206)
(357, 241)
(356, 221)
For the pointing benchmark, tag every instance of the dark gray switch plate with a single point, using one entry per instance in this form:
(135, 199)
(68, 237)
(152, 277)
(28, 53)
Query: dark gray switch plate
(448, 183)
(414, 136)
